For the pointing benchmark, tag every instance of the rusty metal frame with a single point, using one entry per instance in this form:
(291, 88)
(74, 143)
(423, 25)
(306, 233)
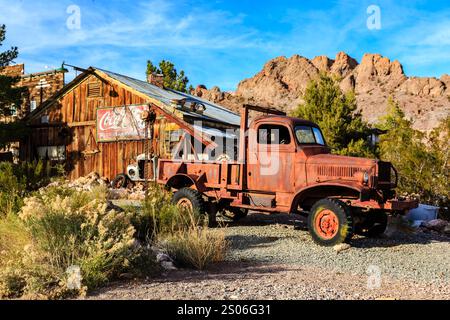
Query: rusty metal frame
(185, 126)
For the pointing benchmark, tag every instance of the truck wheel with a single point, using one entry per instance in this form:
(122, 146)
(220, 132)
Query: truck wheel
(330, 222)
(121, 181)
(192, 200)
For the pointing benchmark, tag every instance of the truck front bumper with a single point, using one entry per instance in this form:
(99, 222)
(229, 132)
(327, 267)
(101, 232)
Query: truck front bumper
(401, 205)
(390, 205)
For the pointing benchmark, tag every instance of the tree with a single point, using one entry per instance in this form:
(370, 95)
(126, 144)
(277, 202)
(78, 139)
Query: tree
(421, 159)
(10, 94)
(336, 114)
(172, 79)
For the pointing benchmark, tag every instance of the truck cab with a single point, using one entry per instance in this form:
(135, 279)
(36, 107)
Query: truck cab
(285, 166)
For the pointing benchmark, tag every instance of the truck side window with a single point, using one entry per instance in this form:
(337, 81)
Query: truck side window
(309, 135)
(273, 134)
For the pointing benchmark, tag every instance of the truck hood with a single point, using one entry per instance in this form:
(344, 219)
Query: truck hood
(332, 159)
(329, 168)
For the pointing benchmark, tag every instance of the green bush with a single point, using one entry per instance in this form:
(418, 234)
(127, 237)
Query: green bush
(422, 160)
(12, 189)
(13, 238)
(336, 114)
(17, 180)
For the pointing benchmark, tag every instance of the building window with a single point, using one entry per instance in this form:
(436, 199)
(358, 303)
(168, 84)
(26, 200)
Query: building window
(94, 90)
(44, 119)
(52, 153)
(33, 105)
(13, 110)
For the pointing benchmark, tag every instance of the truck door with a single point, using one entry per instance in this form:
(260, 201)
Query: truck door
(271, 159)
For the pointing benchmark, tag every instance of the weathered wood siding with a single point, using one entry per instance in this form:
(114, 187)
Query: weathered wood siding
(75, 114)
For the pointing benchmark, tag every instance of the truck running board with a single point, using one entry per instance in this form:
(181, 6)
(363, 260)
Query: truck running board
(263, 209)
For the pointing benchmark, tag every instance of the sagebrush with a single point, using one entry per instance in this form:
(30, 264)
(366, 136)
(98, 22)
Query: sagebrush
(65, 229)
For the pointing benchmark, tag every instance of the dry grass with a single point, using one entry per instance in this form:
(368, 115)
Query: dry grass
(195, 246)
(13, 238)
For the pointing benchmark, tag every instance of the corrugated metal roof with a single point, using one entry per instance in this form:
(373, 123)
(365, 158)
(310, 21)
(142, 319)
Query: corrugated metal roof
(213, 112)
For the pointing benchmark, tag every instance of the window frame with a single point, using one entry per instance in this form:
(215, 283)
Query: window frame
(63, 156)
(289, 131)
(313, 134)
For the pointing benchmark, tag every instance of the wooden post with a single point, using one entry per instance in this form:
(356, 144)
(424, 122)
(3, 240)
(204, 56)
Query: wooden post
(149, 117)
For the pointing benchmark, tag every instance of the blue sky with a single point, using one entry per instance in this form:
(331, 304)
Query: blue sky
(223, 42)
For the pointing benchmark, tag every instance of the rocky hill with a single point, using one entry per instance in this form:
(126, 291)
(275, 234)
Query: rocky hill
(282, 82)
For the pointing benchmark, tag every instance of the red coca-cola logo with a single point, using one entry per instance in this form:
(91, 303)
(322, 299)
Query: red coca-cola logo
(120, 121)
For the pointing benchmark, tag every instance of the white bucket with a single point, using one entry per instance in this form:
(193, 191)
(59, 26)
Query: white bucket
(422, 213)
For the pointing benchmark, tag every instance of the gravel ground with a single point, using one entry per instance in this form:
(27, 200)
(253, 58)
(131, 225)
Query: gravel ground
(273, 257)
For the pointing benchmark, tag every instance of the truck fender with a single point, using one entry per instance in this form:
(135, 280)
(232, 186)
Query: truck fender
(325, 190)
(182, 180)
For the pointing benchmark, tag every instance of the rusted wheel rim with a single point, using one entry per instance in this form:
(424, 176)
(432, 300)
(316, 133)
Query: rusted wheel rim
(185, 203)
(327, 224)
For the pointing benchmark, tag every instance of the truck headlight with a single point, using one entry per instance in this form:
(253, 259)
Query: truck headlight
(131, 172)
(366, 177)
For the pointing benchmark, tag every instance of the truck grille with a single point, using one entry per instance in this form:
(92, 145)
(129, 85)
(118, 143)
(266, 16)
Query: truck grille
(336, 171)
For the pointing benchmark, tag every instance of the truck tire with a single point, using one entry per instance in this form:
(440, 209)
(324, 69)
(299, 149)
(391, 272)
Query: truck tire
(191, 199)
(330, 222)
(120, 181)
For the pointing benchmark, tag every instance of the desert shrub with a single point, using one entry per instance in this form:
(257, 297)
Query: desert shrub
(184, 235)
(17, 180)
(13, 238)
(66, 229)
(12, 283)
(159, 216)
(422, 160)
(34, 174)
(336, 113)
(196, 247)
(12, 189)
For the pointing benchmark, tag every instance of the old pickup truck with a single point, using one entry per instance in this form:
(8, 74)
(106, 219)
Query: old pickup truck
(285, 166)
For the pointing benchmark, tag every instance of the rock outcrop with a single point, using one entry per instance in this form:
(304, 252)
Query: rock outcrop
(282, 82)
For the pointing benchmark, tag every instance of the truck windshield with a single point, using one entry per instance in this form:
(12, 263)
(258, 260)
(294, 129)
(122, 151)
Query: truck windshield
(309, 135)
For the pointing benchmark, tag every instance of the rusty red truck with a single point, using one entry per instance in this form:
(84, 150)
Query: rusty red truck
(283, 165)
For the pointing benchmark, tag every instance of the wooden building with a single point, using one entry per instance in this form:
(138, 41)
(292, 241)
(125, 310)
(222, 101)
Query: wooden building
(39, 87)
(93, 123)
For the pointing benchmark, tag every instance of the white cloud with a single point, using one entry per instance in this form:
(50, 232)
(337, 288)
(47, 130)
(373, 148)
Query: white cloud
(117, 35)
(217, 47)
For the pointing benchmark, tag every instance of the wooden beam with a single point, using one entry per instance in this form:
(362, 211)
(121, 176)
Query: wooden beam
(185, 126)
(264, 110)
(81, 124)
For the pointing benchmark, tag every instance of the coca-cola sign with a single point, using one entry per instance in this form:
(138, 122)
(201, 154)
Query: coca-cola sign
(120, 123)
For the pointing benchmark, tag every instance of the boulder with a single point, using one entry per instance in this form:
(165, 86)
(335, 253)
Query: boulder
(447, 229)
(436, 225)
(341, 247)
(165, 261)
